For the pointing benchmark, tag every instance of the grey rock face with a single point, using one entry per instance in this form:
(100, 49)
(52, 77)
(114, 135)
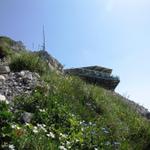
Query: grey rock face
(26, 117)
(18, 83)
(2, 78)
(18, 46)
(53, 63)
(4, 69)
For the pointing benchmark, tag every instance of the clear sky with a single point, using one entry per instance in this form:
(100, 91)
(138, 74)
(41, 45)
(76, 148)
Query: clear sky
(110, 33)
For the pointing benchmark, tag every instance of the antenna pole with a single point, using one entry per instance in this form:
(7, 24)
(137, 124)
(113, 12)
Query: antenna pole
(43, 38)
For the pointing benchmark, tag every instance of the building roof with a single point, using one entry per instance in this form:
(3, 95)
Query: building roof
(99, 68)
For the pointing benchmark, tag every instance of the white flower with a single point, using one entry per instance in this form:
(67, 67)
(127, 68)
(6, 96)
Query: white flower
(48, 135)
(7, 102)
(62, 148)
(76, 140)
(82, 122)
(11, 147)
(68, 143)
(72, 115)
(95, 148)
(42, 110)
(27, 124)
(35, 130)
(90, 123)
(13, 126)
(60, 134)
(51, 135)
(39, 125)
(82, 129)
(63, 135)
(44, 129)
(42, 126)
(105, 130)
(35, 127)
(18, 127)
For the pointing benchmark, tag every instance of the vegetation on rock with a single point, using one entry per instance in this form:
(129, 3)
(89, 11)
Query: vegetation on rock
(28, 61)
(68, 113)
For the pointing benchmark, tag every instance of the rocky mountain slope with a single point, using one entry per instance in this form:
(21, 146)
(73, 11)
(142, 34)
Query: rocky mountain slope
(41, 108)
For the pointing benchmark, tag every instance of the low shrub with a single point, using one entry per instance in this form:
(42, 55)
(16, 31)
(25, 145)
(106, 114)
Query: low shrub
(4, 52)
(28, 61)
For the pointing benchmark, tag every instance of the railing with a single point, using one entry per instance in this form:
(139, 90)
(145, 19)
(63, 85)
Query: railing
(92, 73)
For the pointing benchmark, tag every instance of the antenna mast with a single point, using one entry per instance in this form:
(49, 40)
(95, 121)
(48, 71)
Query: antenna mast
(43, 38)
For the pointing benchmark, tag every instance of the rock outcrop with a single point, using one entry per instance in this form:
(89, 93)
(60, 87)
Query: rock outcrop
(14, 84)
(15, 46)
(53, 63)
(4, 69)
(7, 45)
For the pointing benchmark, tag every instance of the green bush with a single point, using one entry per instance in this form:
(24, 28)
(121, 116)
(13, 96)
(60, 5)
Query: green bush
(5, 121)
(28, 61)
(4, 52)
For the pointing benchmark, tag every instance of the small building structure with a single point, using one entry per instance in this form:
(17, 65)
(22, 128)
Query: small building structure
(96, 75)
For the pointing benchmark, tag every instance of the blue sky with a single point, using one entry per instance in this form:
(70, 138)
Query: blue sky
(110, 33)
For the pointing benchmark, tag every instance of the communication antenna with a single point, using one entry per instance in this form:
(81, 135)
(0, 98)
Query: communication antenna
(33, 46)
(43, 38)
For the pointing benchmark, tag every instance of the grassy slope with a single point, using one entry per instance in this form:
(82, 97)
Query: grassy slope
(68, 113)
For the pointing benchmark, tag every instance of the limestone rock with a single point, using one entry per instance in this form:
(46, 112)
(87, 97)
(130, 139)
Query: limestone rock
(22, 73)
(2, 78)
(2, 98)
(53, 63)
(26, 117)
(18, 83)
(4, 69)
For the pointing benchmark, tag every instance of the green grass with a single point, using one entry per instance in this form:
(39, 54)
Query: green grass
(6, 48)
(21, 59)
(80, 116)
(6, 41)
(28, 61)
